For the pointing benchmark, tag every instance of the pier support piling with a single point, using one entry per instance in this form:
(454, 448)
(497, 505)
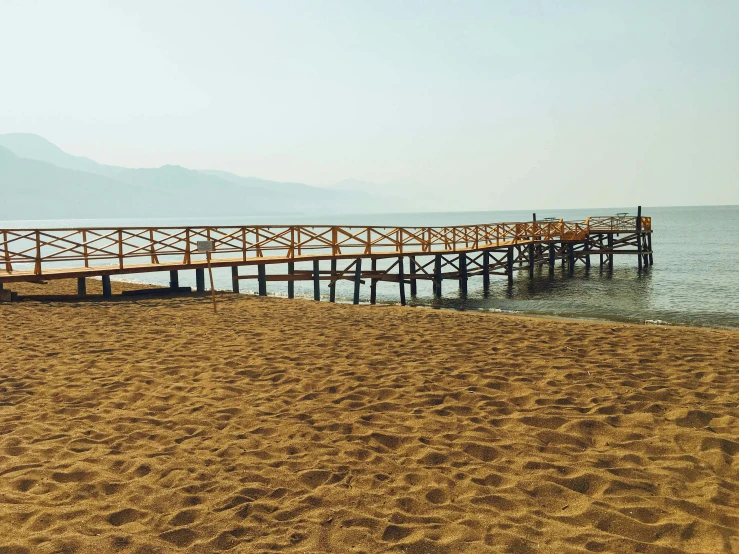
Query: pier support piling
(509, 265)
(571, 258)
(316, 281)
(401, 281)
(412, 275)
(357, 280)
(291, 284)
(463, 274)
(486, 271)
(81, 286)
(645, 250)
(373, 284)
(552, 255)
(332, 291)
(262, 277)
(532, 251)
(107, 293)
(586, 249)
(235, 278)
(174, 279)
(610, 251)
(649, 247)
(200, 280)
(437, 276)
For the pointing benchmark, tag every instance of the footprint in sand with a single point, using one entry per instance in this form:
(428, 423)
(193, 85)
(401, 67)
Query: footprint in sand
(124, 516)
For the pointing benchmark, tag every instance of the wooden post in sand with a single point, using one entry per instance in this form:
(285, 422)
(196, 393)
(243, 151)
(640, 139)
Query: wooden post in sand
(174, 279)
(316, 281)
(412, 275)
(106, 286)
(357, 280)
(235, 278)
(401, 281)
(262, 278)
(200, 279)
(81, 286)
(332, 286)
(373, 283)
(291, 284)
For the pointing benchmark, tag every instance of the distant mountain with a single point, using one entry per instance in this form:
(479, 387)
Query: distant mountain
(34, 147)
(38, 180)
(259, 183)
(30, 189)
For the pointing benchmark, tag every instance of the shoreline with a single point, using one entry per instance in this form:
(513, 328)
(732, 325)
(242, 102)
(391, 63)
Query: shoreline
(69, 288)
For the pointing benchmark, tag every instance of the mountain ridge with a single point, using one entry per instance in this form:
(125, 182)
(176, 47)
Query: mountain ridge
(166, 191)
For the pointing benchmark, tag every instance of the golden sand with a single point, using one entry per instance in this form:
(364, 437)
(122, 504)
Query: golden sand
(153, 425)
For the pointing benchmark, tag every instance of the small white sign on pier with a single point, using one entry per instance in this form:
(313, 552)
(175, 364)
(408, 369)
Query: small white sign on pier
(205, 246)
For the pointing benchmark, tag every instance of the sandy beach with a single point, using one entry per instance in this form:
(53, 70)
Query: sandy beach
(153, 425)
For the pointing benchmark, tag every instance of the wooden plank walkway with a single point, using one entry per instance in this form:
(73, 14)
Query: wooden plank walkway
(435, 253)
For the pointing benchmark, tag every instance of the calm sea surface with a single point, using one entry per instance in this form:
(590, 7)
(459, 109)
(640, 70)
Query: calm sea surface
(694, 280)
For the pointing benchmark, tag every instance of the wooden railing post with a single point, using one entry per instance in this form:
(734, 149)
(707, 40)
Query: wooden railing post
(84, 247)
(8, 265)
(187, 246)
(120, 248)
(37, 267)
(154, 258)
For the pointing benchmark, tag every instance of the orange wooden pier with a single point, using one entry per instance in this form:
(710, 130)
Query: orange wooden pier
(415, 253)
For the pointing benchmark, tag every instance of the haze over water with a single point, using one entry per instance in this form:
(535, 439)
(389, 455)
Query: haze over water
(694, 280)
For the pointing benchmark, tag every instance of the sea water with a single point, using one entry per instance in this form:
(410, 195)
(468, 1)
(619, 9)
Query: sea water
(694, 279)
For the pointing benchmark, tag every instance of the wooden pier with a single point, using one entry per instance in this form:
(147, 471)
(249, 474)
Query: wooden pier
(410, 254)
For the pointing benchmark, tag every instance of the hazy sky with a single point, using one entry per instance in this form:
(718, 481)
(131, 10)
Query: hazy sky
(492, 105)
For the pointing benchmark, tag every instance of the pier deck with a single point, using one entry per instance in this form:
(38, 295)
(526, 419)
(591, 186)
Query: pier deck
(432, 253)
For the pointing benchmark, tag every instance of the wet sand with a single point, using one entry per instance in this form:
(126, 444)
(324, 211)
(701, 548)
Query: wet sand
(153, 425)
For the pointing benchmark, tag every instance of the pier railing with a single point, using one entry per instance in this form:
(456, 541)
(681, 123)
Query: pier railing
(31, 250)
